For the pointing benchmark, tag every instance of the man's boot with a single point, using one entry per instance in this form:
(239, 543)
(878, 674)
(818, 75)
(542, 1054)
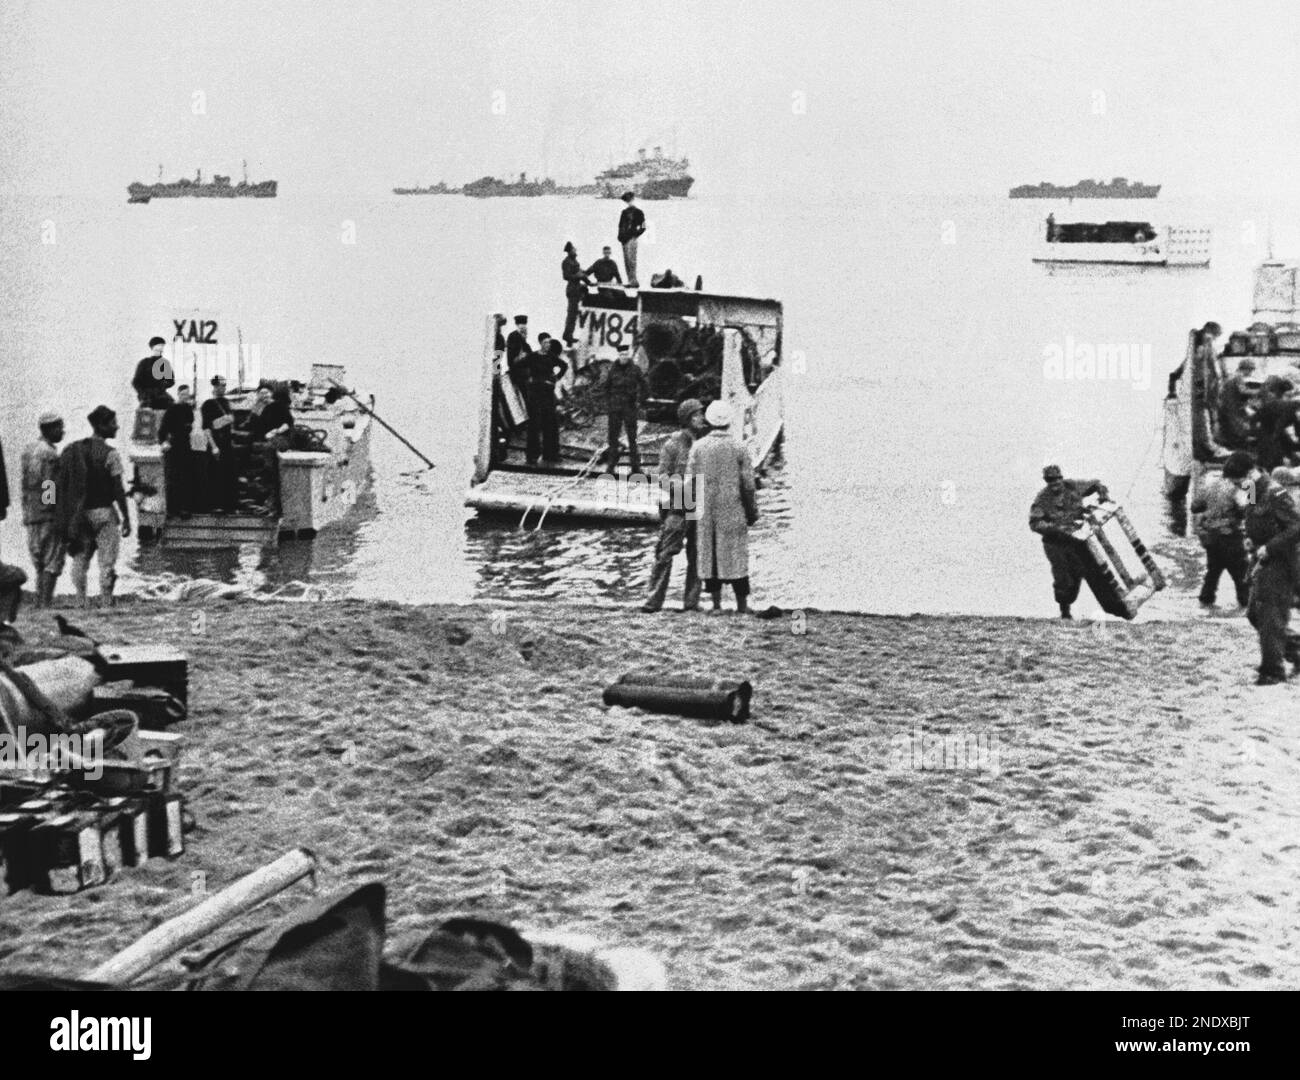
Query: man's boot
(1065, 611)
(691, 596)
(45, 589)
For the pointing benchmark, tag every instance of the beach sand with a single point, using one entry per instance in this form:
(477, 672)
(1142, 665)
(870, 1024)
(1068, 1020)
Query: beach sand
(1117, 808)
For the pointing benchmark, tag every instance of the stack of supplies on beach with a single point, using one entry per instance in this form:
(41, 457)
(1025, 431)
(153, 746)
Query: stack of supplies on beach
(86, 771)
(68, 834)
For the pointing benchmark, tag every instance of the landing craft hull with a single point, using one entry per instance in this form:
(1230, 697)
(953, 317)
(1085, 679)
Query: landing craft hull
(317, 488)
(1188, 430)
(1171, 247)
(579, 487)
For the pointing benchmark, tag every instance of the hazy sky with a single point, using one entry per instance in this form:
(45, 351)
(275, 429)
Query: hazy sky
(895, 97)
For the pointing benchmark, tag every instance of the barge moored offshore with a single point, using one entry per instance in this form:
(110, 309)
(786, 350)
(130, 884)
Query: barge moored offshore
(1123, 243)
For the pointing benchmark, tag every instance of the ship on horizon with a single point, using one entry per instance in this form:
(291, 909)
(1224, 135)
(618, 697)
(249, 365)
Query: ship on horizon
(219, 188)
(1118, 188)
(647, 177)
(1087, 189)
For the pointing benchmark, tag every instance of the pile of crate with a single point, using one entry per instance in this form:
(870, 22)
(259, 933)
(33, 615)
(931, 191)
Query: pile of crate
(70, 829)
(62, 836)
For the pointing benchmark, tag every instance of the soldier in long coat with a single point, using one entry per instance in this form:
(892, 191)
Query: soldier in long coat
(720, 477)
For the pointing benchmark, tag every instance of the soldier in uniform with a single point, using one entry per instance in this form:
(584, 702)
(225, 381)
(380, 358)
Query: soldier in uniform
(624, 390)
(12, 578)
(516, 345)
(1273, 528)
(153, 377)
(1056, 513)
(92, 505)
(218, 419)
(541, 370)
(575, 288)
(40, 483)
(677, 524)
(1220, 530)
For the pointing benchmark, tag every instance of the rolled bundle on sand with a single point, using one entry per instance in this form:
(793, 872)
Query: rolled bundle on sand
(699, 698)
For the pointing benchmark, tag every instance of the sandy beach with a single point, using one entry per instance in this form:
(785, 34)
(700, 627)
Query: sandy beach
(1107, 806)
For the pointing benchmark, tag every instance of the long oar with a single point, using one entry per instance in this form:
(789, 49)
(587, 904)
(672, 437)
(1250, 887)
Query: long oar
(371, 412)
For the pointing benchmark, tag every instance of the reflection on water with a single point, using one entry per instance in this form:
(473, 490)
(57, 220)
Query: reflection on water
(592, 563)
(919, 416)
(325, 560)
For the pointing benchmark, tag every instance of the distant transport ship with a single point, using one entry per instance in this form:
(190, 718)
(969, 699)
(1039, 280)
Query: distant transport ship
(220, 188)
(1126, 243)
(656, 177)
(489, 187)
(1119, 188)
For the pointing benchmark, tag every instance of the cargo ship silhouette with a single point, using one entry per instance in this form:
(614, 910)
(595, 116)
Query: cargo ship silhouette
(1119, 188)
(219, 188)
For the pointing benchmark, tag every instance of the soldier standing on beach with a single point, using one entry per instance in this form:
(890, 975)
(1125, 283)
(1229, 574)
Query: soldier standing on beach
(12, 578)
(1273, 527)
(40, 484)
(1220, 530)
(1056, 512)
(720, 476)
(92, 506)
(676, 528)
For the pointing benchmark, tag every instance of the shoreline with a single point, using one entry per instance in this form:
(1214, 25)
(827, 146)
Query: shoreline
(1121, 818)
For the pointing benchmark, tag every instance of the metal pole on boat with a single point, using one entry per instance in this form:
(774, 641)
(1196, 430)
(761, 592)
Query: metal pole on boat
(389, 427)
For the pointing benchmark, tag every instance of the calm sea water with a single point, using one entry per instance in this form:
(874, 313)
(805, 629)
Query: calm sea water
(918, 411)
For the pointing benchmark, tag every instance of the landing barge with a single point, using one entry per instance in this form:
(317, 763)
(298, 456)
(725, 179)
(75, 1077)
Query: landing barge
(1192, 436)
(690, 344)
(1123, 243)
(320, 478)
